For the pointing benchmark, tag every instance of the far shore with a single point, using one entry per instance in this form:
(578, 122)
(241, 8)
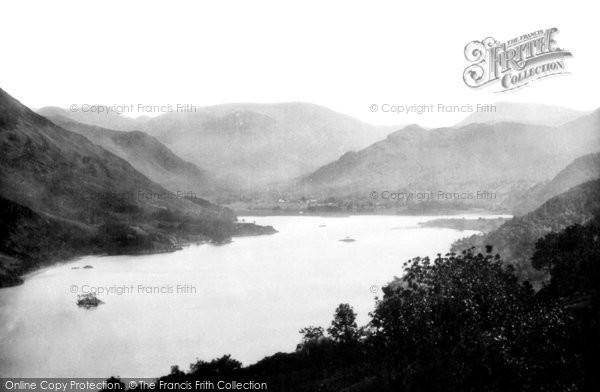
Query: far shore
(242, 213)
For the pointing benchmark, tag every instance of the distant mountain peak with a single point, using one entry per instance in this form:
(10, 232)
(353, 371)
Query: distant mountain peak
(526, 113)
(414, 127)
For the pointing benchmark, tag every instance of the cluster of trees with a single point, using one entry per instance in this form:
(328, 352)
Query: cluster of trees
(458, 322)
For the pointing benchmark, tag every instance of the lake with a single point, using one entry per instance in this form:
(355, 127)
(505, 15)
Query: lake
(248, 298)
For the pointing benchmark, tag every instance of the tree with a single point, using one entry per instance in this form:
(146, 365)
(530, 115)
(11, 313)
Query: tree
(310, 335)
(313, 341)
(176, 372)
(218, 367)
(114, 384)
(343, 327)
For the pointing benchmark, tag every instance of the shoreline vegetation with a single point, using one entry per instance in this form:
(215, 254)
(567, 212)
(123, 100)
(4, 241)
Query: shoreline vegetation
(13, 271)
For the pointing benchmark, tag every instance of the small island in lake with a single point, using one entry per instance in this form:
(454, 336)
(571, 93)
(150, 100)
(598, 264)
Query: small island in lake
(88, 301)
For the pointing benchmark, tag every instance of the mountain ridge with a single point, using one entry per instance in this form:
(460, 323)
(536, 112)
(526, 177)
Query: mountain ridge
(506, 158)
(527, 113)
(147, 155)
(251, 144)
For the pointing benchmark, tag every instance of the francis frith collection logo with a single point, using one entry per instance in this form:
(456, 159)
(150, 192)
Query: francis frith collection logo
(514, 63)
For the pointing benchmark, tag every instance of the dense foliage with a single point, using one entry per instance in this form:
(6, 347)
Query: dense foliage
(464, 323)
(572, 259)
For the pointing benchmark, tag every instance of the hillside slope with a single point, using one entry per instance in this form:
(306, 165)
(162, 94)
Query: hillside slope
(147, 155)
(503, 158)
(515, 240)
(582, 169)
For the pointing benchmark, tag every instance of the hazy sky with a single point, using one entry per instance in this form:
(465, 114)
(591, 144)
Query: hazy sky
(345, 55)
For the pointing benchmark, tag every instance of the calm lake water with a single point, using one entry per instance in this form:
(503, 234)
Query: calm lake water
(248, 298)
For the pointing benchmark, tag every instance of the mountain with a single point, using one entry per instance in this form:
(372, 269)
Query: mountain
(503, 158)
(581, 134)
(147, 155)
(583, 169)
(515, 240)
(252, 145)
(440, 159)
(525, 113)
(109, 120)
(63, 195)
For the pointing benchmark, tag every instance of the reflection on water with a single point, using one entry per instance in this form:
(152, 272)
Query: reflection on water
(248, 298)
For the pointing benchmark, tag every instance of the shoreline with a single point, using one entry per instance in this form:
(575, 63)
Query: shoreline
(485, 214)
(243, 229)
